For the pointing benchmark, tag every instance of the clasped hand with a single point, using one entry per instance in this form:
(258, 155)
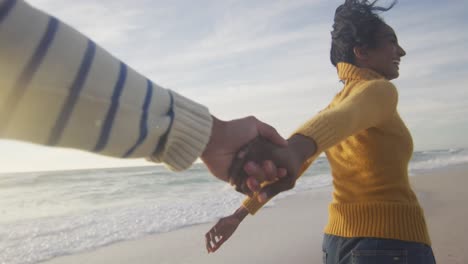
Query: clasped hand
(267, 169)
(263, 170)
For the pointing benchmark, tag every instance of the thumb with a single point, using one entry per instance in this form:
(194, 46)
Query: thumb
(271, 134)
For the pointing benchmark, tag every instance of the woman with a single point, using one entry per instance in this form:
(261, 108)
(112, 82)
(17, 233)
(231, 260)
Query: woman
(375, 216)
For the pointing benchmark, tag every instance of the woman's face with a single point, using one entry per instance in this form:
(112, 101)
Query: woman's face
(385, 57)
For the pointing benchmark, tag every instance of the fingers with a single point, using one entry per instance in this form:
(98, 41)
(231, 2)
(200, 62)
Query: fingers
(282, 172)
(219, 243)
(244, 188)
(273, 189)
(267, 172)
(212, 240)
(270, 170)
(271, 134)
(237, 175)
(208, 241)
(252, 165)
(251, 185)
(256, 176)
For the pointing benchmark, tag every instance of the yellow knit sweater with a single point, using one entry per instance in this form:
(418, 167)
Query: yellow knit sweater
(369, 148)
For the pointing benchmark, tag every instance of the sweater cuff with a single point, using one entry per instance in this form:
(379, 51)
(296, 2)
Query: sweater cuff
(188, 135)
(252, 205)
(320, 131)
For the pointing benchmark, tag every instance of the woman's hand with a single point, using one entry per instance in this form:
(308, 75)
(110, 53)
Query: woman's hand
(228, 137)
(224, 229)
(264, 162)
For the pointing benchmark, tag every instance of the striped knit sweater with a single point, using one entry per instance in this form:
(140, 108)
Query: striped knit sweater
(58, 88)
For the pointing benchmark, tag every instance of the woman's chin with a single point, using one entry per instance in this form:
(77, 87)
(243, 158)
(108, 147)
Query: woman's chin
(393, 75)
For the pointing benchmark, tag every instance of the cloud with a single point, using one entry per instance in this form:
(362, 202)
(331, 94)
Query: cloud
(230, 53)
(108, 23)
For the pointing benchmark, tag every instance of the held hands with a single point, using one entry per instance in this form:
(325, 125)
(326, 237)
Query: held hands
(262, 162)
(228, 137)
(253, 165)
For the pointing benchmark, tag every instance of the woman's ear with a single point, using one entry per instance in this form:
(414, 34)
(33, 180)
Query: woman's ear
(361, 53)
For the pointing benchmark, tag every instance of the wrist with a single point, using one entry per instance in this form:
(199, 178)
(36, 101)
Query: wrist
(241, 213)
(217, 131)
(302, 147)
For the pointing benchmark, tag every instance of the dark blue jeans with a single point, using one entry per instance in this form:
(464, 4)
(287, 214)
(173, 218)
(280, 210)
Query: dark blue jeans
(363, 250)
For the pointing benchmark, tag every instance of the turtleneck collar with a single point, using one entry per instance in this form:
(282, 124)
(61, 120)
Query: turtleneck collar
(347, 71)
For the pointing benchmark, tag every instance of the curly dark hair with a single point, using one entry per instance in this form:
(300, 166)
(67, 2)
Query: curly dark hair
(355, 24)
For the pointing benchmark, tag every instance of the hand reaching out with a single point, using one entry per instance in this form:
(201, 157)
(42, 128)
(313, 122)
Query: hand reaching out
(223, 230)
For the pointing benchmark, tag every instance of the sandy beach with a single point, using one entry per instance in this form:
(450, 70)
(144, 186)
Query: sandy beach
(291, 231)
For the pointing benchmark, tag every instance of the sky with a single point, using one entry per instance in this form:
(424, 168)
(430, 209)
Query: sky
(267, 58)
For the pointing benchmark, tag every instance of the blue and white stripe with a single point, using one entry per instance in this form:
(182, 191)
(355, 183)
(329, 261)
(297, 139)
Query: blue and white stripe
(143, 121)
(23, 81)
(73, 96)
(58, 89)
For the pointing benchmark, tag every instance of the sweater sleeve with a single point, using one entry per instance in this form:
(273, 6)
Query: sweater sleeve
(58, 88)
(368, 105)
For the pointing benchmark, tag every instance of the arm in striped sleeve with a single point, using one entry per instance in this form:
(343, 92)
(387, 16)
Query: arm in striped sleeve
(58, 88)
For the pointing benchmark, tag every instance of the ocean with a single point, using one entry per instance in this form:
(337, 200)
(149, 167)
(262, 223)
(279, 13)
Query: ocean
(48, 214)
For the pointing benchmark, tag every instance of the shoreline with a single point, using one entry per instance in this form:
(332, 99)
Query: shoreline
(292, 230)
